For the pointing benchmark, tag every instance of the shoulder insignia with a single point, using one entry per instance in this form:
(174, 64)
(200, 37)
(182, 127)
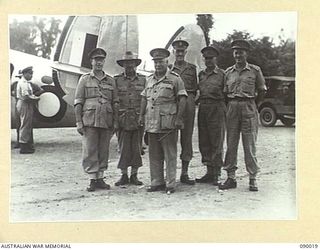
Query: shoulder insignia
(174, 73)
(254, 67)
(141, 75)
(228, 69)
(221, 70)
(150, 76)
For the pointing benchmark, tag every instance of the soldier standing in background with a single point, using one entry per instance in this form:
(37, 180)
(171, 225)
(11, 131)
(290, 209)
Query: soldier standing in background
(26, 101)
(244, 83)
(162, 106)
(129, 85)
(188, 73)
(211, 116)
(96, 110)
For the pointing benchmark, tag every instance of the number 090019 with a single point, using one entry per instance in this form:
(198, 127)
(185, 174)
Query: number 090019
(309, 246)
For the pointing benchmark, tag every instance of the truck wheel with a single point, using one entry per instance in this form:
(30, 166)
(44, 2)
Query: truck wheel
(287, 122)
(268, 117)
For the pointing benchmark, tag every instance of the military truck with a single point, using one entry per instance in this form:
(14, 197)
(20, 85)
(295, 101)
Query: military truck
(279, 101)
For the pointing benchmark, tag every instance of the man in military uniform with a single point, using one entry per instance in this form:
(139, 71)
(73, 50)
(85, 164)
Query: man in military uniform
(26, 101)
(129, 86)
(96, 109)
(244, 83)
(211, 116)
(162, 105)
(188, 74)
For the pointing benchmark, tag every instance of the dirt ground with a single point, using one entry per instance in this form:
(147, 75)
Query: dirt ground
(50, 185)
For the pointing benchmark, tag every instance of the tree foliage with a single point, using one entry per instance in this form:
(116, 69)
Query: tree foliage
(273, 60)
(36, 37)
(205, 21)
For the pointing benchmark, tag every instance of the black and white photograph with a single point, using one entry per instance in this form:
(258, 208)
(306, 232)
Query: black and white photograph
(153, 117)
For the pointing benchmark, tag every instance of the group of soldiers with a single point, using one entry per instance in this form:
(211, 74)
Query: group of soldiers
(163, 104)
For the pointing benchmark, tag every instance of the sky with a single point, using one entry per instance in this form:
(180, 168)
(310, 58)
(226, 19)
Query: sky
(155, 30)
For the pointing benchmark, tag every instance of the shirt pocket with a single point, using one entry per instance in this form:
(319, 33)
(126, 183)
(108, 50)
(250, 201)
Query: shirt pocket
(166, 91)
(107, 114)
(88, 114)
(91, 92)
(248, 85)
(231, 85)
(106, 91)
(128, 120)
(168, 113)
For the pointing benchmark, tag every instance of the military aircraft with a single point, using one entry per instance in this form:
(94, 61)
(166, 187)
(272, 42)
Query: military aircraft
(59, 77)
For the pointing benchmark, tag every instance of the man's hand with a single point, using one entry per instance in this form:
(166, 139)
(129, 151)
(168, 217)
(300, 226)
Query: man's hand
(80, 128)
(179, 123)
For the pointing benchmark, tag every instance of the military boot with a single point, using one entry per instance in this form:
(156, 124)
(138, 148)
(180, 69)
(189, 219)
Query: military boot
(26, 149)
(124, 180)
(208, 177)
(184, 178)
(229, 183)
(215, 180)
(134, 180)
(216, 174)
(253, 185)
(92, 186)
(101, 184)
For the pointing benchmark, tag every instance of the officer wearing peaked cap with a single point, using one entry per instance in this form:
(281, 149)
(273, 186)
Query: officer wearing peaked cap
(26, 101)
(188, 73)
(96, 111)
(162, 106)
(240, 44)
(211, 116)
(244, 84)
(96, 53)
(129, 84)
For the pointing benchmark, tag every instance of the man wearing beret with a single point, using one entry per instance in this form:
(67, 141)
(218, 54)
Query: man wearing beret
(96, 110)
(244, 84)
(162, 105)
(26, 101)
(188, 73)
(211, 116)
(129, 84)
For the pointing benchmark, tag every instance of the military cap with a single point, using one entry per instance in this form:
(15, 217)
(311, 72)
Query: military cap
(97, 52)
(180, 45)
(209, 51)
(129, 56)
(240, 44)
(159, 53)
(27, 69)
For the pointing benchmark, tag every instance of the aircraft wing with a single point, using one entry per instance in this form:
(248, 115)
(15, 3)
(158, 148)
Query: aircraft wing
(69, 68)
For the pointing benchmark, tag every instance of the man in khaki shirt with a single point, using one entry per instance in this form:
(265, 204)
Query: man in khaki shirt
(129, 84)
(188, 74)
(211, 116)
(244, 84)
(162, 105)
(96, 110)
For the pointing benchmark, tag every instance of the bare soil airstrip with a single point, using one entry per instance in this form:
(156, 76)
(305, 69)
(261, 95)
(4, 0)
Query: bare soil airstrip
(50, 184)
